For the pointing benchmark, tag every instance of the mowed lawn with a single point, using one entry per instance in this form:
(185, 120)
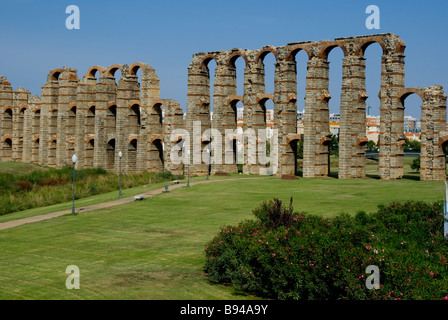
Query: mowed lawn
(154, 249)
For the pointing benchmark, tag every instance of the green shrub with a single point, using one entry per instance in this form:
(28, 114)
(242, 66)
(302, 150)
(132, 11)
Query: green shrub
(317, 258)
(46, 187)
(415, 165)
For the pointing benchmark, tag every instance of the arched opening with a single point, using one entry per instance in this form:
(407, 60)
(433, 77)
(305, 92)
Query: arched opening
(7, 150)
(335, 58)
(35, 151)
(232, 147)
(89, 124)
(156, 156)
(52, 153)
(134, 119)
(240, 66)
(412, 127)
(301, 59)
(160, 113)
(297, 154)
(269, 61)
(373, 54)
(71, 130)
(94, 73)
(110, 155)
(89, 154)
(111, 118)
(211, 67)
(53, 123)
(264, 145)
(132, 156)
(7, 121)
(139, 74)
(115, 72)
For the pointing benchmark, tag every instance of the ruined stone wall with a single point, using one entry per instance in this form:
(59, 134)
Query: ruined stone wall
(97, 116)
(317, 136)
(94, 117)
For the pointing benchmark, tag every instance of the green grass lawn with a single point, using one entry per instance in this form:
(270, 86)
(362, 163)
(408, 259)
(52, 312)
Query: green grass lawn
(154, 249)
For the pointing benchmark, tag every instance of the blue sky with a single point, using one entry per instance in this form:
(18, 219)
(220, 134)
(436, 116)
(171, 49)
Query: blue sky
(165, 34)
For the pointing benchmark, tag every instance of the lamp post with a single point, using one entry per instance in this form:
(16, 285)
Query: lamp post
(74, 158)
(188, 168)
(209, 162)
(119, 183)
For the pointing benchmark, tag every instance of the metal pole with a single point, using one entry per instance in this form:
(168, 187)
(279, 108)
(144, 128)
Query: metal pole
(188, 168)
(73, 203)
(119, 192)
(445, 213)
(209, 163)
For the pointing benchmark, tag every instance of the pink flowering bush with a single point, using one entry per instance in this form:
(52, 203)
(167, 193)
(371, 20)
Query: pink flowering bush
(288, 255)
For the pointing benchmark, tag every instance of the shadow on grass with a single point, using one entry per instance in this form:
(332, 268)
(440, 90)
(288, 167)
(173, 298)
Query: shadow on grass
(411, 177)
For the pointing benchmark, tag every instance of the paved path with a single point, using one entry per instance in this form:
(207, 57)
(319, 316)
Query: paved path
(19, 222)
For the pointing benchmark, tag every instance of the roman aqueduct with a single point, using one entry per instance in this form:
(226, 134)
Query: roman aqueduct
(96, 117)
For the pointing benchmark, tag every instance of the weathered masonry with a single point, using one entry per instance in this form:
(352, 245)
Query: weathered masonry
(352, 135)
(94, 118)
(97, 116)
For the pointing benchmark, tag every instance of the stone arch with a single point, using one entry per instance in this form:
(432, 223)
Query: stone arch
(89, 152)
(133, 68)
(110, 155)
(328, 47)
(54, 74)
(403, 94)
(295, 49)
(111, 70)
(132, 154)
(366, 43)
(91, 73)
(134, 115)
(234, 56)
(156, 154)
(264, 52)
(206, 59)
(6, 154)
(158, 109)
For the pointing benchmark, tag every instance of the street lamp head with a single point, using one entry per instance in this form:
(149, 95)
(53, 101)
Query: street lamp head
(120, 154)
(74, 158)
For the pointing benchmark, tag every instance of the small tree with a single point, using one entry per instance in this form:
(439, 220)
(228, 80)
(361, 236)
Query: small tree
(371, 145)
(299, 154)
(334, 146)
(415, 165)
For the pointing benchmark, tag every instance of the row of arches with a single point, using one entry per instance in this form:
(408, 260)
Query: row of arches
(211, 90)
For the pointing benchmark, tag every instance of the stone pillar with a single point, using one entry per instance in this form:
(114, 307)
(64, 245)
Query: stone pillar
(198, 109)
(6, 118)
(391, 140)
(173, 120)
(224, 87)
(433, 121)
(285, 115)
(254, 116)
(85, 121)
(106, 122)
(20, 104)
(352, 134)
(317, 134)
(68, 83)
(48, 119)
